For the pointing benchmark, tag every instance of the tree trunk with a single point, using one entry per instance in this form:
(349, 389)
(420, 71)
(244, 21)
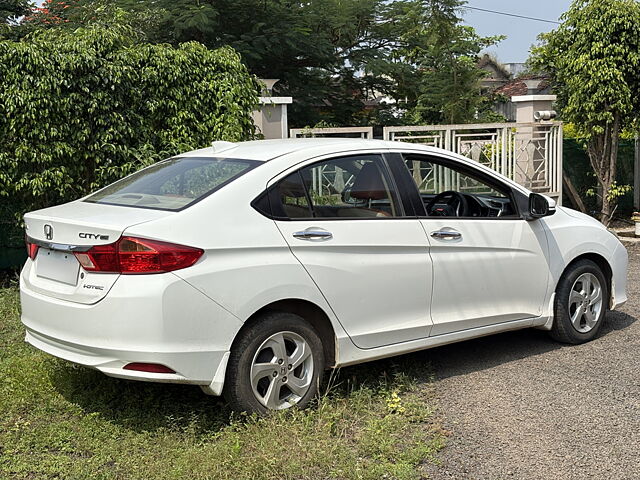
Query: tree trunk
(603, 155)
(607, 209)
(574, 196)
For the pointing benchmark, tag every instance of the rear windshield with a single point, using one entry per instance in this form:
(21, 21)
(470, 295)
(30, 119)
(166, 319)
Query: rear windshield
(173, 184)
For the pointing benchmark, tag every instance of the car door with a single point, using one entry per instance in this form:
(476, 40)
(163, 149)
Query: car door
(489, 263)
(344, 221)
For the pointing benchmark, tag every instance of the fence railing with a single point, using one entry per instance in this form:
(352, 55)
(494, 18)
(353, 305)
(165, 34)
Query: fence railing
(528, 153)
(355, 132)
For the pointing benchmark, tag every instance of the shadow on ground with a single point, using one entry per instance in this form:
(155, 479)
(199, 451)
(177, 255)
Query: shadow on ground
(139, 406)
(148, 407)
(488, 352)
(142, 406)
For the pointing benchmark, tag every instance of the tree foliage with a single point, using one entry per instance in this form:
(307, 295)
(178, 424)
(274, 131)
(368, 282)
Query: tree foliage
(11, 10)
(81, 109)
(445, 53)
(594, 60)
(330, 55)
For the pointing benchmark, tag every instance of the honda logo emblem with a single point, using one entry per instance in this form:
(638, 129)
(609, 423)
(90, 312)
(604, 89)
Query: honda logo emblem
(48, 232)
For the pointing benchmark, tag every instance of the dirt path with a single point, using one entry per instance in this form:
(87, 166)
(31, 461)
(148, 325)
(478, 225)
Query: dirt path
(520, 406)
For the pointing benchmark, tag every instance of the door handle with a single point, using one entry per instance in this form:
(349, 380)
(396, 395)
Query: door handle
(446, 234)
(313, 234)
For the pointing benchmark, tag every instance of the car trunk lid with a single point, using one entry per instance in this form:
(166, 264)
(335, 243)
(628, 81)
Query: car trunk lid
(76, 226)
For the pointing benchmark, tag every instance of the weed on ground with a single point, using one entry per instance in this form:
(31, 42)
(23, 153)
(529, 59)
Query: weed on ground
(62, 421)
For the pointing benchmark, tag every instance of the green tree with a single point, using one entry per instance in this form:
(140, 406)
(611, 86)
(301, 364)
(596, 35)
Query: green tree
(446, 55)
(72, 14)
(594, 60)
(81, 109)
(11, 10)
(331, 55)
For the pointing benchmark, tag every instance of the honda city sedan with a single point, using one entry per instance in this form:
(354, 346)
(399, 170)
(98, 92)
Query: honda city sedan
(251, 268)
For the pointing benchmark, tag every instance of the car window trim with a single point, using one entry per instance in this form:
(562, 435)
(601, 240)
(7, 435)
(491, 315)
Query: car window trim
(462, 168)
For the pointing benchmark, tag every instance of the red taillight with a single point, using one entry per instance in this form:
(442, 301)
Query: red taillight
(131, 255)
(148, 367)
(32, 249)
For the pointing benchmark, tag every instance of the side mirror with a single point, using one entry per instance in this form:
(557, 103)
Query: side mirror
(540, 206)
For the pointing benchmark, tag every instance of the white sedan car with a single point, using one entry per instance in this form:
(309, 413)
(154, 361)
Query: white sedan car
(249, 269)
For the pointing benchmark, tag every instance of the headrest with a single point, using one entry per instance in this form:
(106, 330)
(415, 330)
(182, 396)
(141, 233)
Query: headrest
(368, 184)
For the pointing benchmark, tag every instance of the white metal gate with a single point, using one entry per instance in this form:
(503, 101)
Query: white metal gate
(529, 153)
(354, 132)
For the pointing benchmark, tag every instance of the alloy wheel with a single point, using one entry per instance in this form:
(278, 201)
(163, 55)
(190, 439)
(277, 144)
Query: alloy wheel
(282, 370)
(585, 302)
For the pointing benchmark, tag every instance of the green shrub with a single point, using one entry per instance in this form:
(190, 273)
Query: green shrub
(81, 109)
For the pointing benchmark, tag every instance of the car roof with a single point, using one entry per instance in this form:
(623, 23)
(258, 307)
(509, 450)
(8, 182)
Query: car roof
(265, 150)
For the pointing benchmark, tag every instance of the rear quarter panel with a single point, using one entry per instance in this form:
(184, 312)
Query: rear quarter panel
(247, 264)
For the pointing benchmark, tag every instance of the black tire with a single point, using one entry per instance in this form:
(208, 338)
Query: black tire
(238, 389)
(563, 329)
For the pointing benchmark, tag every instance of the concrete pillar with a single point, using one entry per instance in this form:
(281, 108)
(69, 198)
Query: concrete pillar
(530, 136)
(271, 118)
(527, 105)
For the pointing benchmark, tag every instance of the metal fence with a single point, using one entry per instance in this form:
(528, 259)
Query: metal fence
(353, 132)
(529, 153)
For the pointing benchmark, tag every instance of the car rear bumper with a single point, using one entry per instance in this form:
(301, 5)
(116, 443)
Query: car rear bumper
(111, 362)
(157, 319)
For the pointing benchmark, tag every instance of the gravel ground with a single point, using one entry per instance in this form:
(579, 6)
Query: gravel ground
(518, 405)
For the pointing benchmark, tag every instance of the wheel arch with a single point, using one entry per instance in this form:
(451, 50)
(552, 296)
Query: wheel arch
(602, 263)
(311, 312)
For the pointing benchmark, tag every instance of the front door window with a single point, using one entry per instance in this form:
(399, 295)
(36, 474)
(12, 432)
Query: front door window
(449, 192)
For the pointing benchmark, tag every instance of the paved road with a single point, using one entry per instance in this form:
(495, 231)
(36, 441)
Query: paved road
(518, 405)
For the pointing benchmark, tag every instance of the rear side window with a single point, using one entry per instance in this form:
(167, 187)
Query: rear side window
(173, 184)
(352, 187)
(293, 197)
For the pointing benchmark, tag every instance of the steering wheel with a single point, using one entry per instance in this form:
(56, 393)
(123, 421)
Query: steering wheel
(448, 204)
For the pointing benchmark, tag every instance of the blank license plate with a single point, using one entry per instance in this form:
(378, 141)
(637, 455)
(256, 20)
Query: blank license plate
(59, 266)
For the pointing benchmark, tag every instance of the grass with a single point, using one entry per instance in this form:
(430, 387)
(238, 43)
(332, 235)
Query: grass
(66, 422)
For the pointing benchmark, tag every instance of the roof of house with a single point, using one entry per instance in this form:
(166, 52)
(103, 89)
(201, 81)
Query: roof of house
(517, 86)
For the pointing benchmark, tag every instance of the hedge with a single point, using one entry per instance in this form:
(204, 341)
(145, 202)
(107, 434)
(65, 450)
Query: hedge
(81, 109)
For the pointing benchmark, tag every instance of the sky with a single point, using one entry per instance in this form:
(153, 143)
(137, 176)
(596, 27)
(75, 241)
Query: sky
(521, 33)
